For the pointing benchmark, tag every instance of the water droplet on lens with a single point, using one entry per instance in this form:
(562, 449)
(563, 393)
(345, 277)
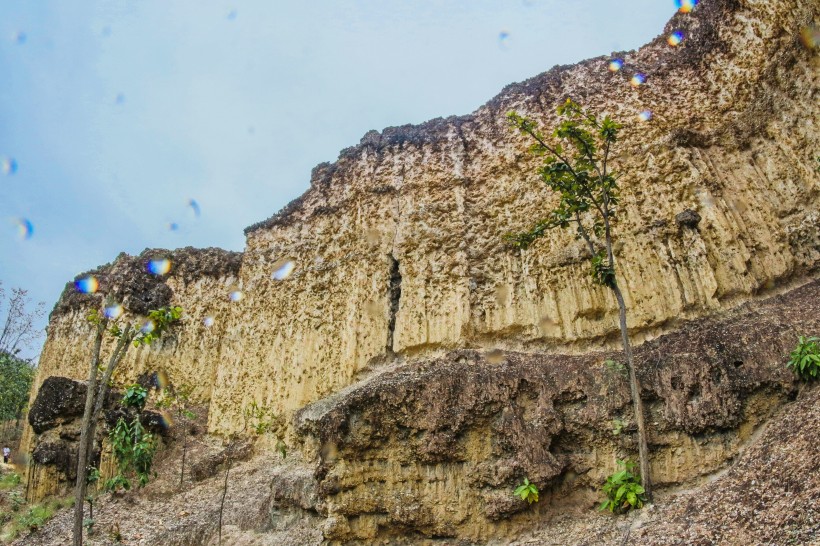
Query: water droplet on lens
(106, 31)
(25, 229)
(194, 207)
(646, 115)
(173, 226)
(810, 36)
(502, 295)
(503, 39)
(686, 6)
(147, 327)
(283, 270)
(675, 38)
(159, 267)
(87, 285)
(20, 37)
(615, 65)
(236, 295)
(113, 311)
(548, 327)
(120, 98)
(232, 15)
(496, 356)
(208, 321)
(8, 165)
(637, 80)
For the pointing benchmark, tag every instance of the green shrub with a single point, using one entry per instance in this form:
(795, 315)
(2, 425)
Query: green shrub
(10, 480)
(623, 490)
(16, 500)
(527, 491)
(804, 360)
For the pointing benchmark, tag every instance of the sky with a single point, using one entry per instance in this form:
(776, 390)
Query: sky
(115, 115)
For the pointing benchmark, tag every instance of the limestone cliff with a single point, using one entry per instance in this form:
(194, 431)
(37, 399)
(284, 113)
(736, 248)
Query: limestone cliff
(398, 260)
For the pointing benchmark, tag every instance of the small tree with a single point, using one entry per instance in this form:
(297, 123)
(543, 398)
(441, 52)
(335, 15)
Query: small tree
(177, 400)
(127, 334)
(18, 329)
(576, 167)
(133, 446)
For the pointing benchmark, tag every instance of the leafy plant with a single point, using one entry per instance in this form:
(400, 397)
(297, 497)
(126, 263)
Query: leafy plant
(16, 500)
(88, 524)
(527, 491)
(577, 169)
(134, 449)
(617, 426)
(615, 367)
(623, 490)
(10, 480)
(135, 397)
(804, 360)
(261, 419)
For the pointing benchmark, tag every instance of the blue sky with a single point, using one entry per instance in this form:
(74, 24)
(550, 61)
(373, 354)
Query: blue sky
(117, 113)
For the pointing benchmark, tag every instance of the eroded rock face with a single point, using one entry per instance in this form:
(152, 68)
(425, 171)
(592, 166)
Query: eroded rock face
(437, 447)
(56, 417)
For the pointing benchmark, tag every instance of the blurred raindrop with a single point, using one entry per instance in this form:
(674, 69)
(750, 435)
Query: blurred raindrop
(646, 115)
(502, 295)
(236, 295)
(25, 229)
(159, 267)
(8, 165)
(147, 327)
(87, 285)
(615, 65)
(194, 207)
(284, 270)
(675, 38)
(173, 226)
(120, 99)
(20, 37)
(685, 6)
(548, 327)
(113, 311)
(208, 322)
(496, 356)
(810, 36)
(106, 31)
(232, 15)
(503, 39)
(162, 380)
(638, 80)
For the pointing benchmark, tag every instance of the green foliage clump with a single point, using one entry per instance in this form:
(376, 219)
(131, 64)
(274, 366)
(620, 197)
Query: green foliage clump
(616, 367)
(527, 491)
(10, 480)
(133, 446)
(16, 500)
(623, 490)
(16, 376)
(260, 419)
(804, 360)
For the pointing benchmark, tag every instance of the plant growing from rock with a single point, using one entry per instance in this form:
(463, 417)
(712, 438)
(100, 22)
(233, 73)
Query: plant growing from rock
(177, 400)
(577, 168)
(109, 322)
(133, 446)
(804, 360)
(527, 491)
(623, 490)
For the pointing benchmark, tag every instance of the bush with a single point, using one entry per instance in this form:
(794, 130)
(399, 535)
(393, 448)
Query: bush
(10, 480)
(527, 491)
(804, 360)
(623, 490)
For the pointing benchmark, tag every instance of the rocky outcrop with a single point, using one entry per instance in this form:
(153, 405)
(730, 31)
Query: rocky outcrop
(55, 417)
(437, 447)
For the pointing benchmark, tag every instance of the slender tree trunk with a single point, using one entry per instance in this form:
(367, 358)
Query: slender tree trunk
(82, 455)
(224, 494)
(116, 357)
(184, 449)
(637, 403)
